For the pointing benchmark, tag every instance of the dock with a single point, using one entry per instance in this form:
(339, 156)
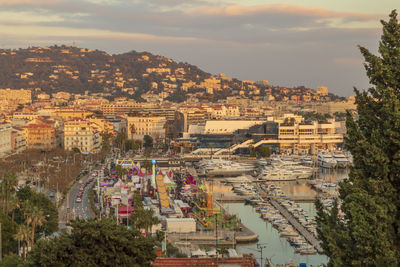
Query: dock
(299, 227)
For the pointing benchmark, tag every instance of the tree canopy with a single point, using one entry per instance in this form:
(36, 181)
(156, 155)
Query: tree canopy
(148, 142)
(95, 243)
(369, 233)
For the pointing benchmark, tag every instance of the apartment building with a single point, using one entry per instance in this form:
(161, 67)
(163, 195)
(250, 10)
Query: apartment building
(307, 137)
(21, 96)
(139, 126)
(118, 107)
(81, 134)
(104, 126)
(18, 141)
(40, 136)
(5, 138)
(70, 113)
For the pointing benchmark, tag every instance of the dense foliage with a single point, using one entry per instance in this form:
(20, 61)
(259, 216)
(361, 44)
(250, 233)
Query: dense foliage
(95, 243)
(369, 234)
(25, 217)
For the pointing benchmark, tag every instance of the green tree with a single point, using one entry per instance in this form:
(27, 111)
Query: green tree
(128, 145)
(12, 260)
(95, 243)
(369, 234)
(264, 151)
(137, 144)
(8, 230)
(34, 217)
(29, 199)
(132, 129)
(105, 142)
(147, 165)
(142, 218)
(7, 189)
(120, 139)
(148, 142)
(121, 171)
(23, 236)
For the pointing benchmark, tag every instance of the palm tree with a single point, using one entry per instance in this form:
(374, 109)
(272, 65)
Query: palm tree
(34, 217)
(13, 205)
(23, 236)
(132, 129)
(149, 220)
(7, 189)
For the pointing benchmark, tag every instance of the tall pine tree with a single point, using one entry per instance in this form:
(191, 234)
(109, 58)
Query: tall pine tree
(369, 235)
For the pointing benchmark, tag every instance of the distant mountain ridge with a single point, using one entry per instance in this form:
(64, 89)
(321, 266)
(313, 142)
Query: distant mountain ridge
(76, 70)
(132, 74)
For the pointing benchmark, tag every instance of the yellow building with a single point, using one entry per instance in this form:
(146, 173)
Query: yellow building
(69, 114)
(81, 134)
(300, 137)
(40, 136)
(212, 83)
(118, 107)
(103, 125)
(21, 96)
(322, 90)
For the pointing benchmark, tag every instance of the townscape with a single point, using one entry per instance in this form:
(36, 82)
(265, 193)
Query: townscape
(134, 159)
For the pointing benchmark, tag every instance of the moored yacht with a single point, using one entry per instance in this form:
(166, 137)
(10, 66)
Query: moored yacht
(326, 160)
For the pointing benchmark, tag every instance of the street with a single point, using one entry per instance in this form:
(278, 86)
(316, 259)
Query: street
(71, 209)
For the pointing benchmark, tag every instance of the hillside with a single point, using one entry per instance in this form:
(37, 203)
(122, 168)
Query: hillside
(76, 70)
(135, 75)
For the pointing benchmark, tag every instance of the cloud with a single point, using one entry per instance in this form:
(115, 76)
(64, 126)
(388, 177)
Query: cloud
(294, 10)
(285, 43)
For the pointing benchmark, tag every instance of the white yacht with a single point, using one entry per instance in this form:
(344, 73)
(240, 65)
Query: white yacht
(307, 161)
(341, 159)
(326, 160)
(220, 167)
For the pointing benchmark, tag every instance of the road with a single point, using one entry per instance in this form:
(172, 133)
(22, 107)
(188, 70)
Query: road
(71, 209)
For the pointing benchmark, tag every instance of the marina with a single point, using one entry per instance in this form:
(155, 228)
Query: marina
(286, 206)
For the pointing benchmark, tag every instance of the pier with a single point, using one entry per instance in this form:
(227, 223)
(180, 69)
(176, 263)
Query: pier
(299, 227)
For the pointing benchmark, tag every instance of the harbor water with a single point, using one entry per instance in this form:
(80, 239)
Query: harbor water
(277, 249)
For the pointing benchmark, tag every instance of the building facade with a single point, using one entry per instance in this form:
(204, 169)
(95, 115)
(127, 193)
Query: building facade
(138, 127)
(5, 139)
(81, 134)
(18, 141)
(40, 136)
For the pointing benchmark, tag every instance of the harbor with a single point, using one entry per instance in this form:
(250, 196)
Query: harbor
(284, 206)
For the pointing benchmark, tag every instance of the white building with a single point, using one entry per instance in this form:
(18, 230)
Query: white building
(301, 137)
(228, 126)
(5, 139)
(138, 127)
(81, 134)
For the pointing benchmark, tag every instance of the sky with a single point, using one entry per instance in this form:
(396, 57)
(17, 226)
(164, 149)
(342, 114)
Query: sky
(288, 42)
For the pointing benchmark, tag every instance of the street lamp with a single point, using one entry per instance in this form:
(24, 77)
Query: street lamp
(260, 248)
